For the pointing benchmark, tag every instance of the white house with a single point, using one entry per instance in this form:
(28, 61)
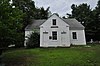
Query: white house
(57, 32)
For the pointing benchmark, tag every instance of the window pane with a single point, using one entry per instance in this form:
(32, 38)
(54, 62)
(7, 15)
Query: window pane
(54, 35)
(54, 21)
(74, 35)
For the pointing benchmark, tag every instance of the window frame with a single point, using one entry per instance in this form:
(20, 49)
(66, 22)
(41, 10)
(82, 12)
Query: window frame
(74, 35)
(54, 22)
(54, 35)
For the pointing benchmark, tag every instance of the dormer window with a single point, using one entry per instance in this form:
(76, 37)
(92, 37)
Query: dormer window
(54, 21)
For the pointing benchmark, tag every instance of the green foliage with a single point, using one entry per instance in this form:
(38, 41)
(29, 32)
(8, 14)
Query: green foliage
(82, 13)
(11, 24)
(96, 22)
(33, 41)
(41, 13)
(28, 7)
(32, 12)
(74, 56)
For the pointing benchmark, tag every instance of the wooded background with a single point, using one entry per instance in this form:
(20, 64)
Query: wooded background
(15, 16)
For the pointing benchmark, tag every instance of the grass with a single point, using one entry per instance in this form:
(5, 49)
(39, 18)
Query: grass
(74, 56)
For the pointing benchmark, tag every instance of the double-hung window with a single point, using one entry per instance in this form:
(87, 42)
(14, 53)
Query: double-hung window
(54, 35)
(74, 34)
(53, 21)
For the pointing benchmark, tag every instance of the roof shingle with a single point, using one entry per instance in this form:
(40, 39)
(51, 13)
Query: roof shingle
(35, 24)
(73, 24)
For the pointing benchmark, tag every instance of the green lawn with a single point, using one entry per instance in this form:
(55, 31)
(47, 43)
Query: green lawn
(74, 56)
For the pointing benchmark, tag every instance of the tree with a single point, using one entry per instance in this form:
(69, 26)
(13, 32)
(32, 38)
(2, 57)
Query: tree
(96, 23)
(41, 13)
(32, 12)
(28, 7)
(74, 12)
(33, 41)
(11, 23)
(82, 13)
(64, 17)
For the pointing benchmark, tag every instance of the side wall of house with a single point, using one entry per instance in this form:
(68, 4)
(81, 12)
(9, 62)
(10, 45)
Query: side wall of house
(28, 33)
(80, 37)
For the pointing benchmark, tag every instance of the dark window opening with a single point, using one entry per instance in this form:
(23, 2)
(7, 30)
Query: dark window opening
(74, 35)
(54, 21)
(54, 35)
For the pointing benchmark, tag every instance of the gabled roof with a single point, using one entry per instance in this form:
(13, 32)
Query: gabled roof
(73, 24)
(35, 24)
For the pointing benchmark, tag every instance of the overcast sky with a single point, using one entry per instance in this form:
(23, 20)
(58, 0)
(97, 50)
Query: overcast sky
(63, 6)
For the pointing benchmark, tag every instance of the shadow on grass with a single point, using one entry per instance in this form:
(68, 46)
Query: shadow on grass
(18, 57)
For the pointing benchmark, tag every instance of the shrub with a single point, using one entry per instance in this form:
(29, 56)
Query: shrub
(33, 41)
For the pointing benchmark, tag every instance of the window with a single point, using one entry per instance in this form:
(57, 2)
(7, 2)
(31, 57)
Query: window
(74, 35)
(63, 32)
(54, 21)
(45, 32)
(54, 35)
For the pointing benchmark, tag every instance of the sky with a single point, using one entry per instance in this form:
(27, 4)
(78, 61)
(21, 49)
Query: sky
(62, 7)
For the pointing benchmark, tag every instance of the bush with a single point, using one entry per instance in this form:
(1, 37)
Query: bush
(19, 40)
(33, 41)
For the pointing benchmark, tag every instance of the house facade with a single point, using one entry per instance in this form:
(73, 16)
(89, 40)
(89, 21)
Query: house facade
(58, 32)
